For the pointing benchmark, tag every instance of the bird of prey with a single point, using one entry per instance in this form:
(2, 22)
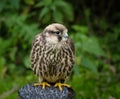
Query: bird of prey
(52, 56)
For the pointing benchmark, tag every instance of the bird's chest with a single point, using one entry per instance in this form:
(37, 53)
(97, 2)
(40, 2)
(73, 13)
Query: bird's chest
(55, 56)
(52, 55)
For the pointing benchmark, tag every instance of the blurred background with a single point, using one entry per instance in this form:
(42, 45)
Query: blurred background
(94, 26)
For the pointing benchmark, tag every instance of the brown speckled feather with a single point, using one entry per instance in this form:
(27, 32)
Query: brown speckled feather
(51, 59)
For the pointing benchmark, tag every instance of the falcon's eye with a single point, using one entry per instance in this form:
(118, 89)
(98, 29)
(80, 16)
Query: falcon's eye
(57, 32)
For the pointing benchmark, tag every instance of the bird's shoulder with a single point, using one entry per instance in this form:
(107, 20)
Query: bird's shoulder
(71, 44)
(40, 38)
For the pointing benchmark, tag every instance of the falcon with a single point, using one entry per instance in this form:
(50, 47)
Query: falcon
(52, 56)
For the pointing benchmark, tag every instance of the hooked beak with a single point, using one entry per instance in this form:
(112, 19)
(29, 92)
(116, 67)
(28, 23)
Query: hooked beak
(65, 35)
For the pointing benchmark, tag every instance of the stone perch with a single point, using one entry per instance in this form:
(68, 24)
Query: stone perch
(31, 92)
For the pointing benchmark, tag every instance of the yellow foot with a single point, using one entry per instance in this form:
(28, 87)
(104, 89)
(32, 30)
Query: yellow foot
(59, 85)
(43, 84)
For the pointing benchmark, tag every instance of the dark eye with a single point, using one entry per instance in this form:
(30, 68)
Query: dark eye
(57, 32)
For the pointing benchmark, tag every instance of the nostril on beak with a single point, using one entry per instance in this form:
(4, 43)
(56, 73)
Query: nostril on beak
(65, 36)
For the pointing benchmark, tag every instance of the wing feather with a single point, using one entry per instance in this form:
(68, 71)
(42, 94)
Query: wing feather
(37, 44)
(71, 44)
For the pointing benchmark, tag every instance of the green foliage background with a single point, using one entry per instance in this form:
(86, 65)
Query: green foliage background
(94, 27)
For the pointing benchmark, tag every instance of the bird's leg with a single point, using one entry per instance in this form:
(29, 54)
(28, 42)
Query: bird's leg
(59, 85)
(43, 84)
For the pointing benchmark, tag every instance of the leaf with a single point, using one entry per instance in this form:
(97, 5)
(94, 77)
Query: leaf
(48, 2)
(44, 12)
(12, 53)
(65, 8)
(81, 29)
(68, 11)
(4, 47)
(30, 2)
(40, 4)
(92, 46)
(58, 16)
(86, 62)
(2, 63)
(12, 67)
(27, 62)
(15, 4)
(2, 5)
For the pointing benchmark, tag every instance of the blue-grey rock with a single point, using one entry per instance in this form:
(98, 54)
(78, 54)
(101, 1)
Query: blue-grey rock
(31, 92)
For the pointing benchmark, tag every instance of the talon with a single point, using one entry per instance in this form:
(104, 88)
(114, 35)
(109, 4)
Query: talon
(43, 84)
(59, 85)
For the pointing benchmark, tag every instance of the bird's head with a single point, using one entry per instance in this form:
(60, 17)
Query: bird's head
(56, 33)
